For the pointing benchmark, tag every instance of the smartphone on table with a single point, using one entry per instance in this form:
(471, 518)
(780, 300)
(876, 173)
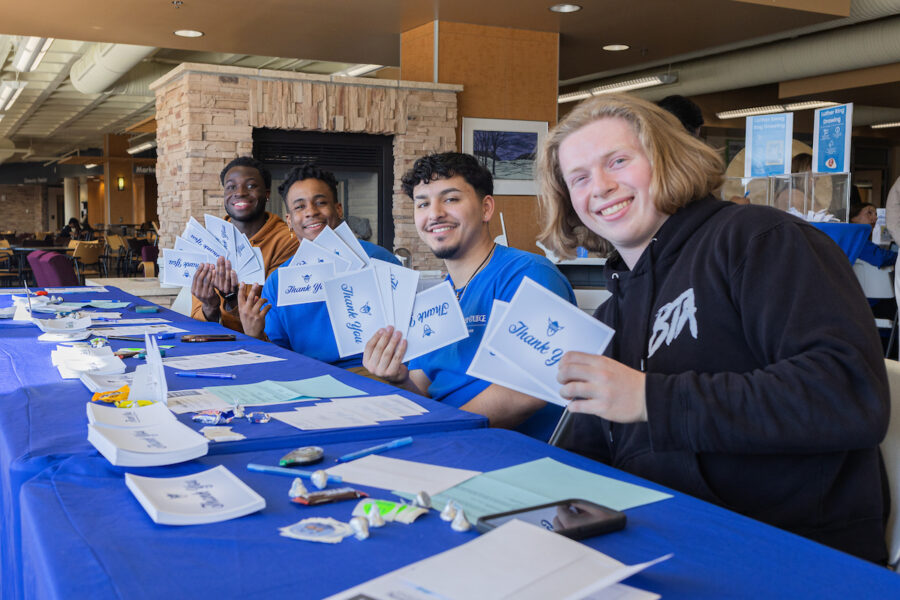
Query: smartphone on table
(203, 337)
(576, 519)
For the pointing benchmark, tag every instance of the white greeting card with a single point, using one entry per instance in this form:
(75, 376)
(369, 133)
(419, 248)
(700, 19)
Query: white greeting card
(303, 283)
(346, 234)
(182, 245)
(436, 321)
(539, 327)
(195, 233)
(329, 240)
(224, 233)
(354, 307)
(383, 276)
(488, 366)
(242, 249)
(311, 253)
(404, 284)
(253, 271)
(179, 267)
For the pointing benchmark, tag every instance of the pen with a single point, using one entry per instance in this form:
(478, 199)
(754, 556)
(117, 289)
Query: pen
(206, 375)
(399, 443)
(290, 472)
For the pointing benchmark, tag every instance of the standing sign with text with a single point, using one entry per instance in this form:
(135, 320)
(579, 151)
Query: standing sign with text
(768, 150)
(831, 139)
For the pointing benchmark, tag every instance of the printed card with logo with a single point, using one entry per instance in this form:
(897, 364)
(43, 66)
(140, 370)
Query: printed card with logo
(329, 240)
(204, 240)
(303, 283)
(182, 245)
(436, 321)
(224, 233)
(311, 253)
(404, 283)
(242, 249)
(490, 367)
(354, 307)
(539, 327)
(179, 267)
(252, 271)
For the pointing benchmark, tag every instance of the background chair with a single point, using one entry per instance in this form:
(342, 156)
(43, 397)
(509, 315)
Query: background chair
(116, 250)
(890, 449)
(58, 270)
(9, 274)
(149, 254)
(87, 260)
(33, 259)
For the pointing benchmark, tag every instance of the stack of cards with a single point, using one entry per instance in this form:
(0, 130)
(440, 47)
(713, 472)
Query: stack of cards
(525, 339)
(364, 294)
(198, 245)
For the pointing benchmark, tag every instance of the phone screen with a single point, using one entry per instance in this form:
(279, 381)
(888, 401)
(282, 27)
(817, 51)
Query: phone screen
(560, 517)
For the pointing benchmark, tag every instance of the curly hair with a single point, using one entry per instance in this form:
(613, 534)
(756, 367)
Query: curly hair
(248, 161)
(683, 167)
(446, 165)
(308, 171)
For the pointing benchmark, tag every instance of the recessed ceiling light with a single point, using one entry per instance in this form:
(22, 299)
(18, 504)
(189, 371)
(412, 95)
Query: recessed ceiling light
(886, 125)
(188, 33)
(616, 47)
(565, 8)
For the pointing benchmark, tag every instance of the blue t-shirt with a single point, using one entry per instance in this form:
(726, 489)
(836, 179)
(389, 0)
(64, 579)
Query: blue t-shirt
(306, 328)
(499, 280)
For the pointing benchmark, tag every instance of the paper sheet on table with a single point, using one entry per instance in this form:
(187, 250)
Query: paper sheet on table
(540, 482)
(324, 416)
(218, 359)
(135, 330)
(253, 394)
(182, 401)
(402, 475)
(76, 290)
(323, 386)
(144, 321)
(516, 560)
(395, 405)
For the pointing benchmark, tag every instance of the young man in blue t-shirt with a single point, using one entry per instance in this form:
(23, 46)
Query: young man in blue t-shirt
(453, 206)
(310, 197)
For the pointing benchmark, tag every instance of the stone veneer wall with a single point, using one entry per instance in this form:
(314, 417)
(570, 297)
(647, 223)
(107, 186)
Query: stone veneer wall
(205, 116)
(23, 208)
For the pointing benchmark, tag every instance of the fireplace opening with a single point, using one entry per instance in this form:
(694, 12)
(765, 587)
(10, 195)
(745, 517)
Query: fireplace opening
(362, 163)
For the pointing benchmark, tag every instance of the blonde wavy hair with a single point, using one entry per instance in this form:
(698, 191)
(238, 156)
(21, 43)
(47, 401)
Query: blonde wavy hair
(683, 168)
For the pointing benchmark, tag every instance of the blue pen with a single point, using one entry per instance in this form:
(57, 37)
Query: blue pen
(290, 472)
(206, 375)
(399, 443)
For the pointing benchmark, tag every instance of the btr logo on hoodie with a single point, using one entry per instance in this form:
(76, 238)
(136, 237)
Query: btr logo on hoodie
(671, 319)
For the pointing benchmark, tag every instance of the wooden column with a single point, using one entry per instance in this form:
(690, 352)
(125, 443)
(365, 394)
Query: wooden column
(506, 74)
(119, 207)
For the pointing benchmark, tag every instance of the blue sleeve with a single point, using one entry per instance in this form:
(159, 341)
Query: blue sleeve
(879, 257)
(274, 329)
(378, 252)
(545, 275)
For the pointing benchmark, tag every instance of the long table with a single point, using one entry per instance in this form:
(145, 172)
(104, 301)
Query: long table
(43, 421)
(85, 536)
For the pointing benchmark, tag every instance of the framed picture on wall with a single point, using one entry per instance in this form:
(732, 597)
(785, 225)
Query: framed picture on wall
(508, 148)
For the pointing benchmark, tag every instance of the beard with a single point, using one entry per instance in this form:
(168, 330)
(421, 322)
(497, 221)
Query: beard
(447, 252)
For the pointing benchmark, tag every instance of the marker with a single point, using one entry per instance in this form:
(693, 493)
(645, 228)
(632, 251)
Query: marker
(206, 375)
(399, 443)
(290, 472)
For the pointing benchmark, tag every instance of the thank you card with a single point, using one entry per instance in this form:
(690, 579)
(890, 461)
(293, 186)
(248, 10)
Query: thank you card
(303, 284)
(539, 327)
(179, 267)
(436, 321)
(355, 310)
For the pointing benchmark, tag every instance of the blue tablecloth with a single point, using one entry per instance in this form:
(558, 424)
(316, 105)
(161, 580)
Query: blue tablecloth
(851, 237)
(42, 416)
(85, 536)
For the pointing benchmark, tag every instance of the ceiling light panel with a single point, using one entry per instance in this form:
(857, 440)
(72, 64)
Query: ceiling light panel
(621, 86)
(30, 53)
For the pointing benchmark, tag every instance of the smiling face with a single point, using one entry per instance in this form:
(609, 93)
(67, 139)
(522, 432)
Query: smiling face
(311, 206)
(609, 176)
(450, 217)
(245, 194)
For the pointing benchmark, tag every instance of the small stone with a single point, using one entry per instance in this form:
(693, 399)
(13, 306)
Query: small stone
(297, 488)
(319, 479)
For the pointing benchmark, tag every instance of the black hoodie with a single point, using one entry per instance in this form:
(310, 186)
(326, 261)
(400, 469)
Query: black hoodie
(766, 389)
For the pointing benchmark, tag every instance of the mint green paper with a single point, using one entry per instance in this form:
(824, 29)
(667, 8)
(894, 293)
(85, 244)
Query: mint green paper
(252, 394)
(279, 392)
(540, 482)
(324, 386)
(108, 304)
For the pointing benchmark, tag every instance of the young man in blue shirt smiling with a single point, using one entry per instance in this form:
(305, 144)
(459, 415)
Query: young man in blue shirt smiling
(453, 205)
(310, 196)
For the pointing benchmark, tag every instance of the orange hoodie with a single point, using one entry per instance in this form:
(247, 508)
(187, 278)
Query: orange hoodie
(277, 243)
